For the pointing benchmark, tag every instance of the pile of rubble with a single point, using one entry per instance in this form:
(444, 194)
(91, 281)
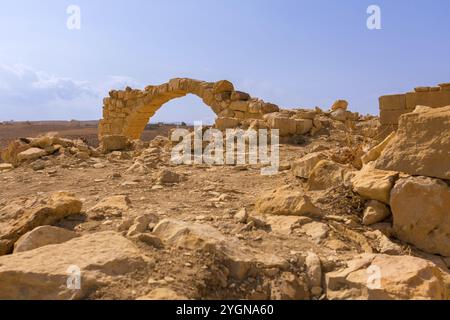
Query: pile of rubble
(348, 217)
(28, 150)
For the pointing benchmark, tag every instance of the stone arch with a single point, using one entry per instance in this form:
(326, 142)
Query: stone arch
(127, 112)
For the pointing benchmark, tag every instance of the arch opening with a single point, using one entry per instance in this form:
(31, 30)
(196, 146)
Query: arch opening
(127, 112)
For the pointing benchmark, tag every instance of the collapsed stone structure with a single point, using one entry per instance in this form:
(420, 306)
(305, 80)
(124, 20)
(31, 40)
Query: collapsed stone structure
(393, 106)
(127, 112)
(344, 205)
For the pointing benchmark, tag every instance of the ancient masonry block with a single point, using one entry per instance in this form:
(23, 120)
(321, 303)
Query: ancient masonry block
(393, 106)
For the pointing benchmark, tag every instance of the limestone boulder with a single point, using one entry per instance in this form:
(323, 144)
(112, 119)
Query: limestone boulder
(17, 219)
(71, 270)
(382, 244)
(42, 236)
(326, 174)
(114, 143)
(111, 206)
(302, 167)
(239, 260)
(375, 212)
(421, 145)
(340, 115)
(284, 124)
(386, 277)
(10, 153)
(269, 108)
(421, 212)
(313, 269)
(223, 86)
(31, 154)
(339, 104)
(45, 141)
(303, 126)
(316, 231)
(239, 106)
(374, 184)
(169, 177)
(286, 202)
(286, 224)
(187, 235)
(374, 153)
(239, 95)
(227, 123)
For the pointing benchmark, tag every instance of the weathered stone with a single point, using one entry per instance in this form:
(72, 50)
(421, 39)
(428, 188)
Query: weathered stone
(42, 236)
(286, 202)
(339, 104)
(305, 114)
(140, 224)
(114, 143)
(289, 287)
(420, 208)
(45, 141)
(82, 155)
(326, 174)
(421, 145)
(239, 95)
(340, 115)
(44, 273)
(285, 125)
(10, 153)
(111, 206)
(223, 86)
(239, 106)
(31, 154)
(269, 108)
(15, 220)
(317, 231)
(384, 277)
(313, 269)
(286, 224)
(303, 126)
(374, 153)
(383, 244)
(169, 177)
(38, 165)
(374, 184)
(226, 123)
(375, 212)
(241, 216)
(302, 168)
(238, 259)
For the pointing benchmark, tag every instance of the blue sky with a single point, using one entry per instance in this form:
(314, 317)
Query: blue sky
(295, 53)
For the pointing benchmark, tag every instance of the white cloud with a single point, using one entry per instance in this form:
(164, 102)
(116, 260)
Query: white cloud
(24, 84)
(28, 94)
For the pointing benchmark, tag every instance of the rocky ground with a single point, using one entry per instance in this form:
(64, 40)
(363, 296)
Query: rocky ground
(349, 216)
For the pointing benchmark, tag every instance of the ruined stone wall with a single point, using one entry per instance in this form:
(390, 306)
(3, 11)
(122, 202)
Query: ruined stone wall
(393, 106)
(128, 111)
